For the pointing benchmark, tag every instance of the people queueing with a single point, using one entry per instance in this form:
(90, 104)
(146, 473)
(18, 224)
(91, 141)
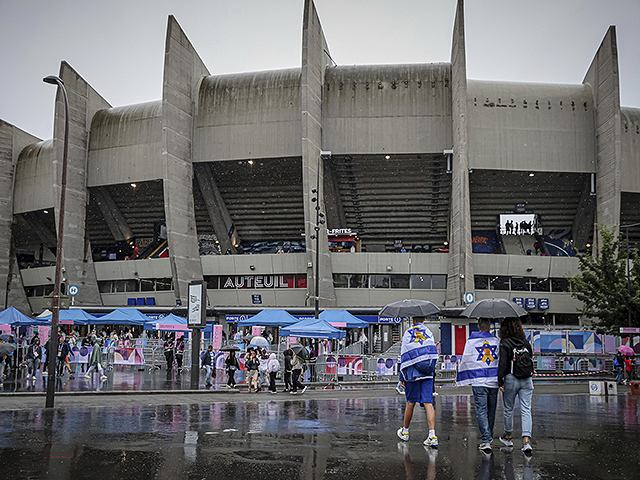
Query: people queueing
(273, 367)
(515, 377)
(95, 361)
(168, 353)
(297, 365)
(479, 368)
(252, 364)
(288, 358)
(418, 361)
(232, 366)
(180, 353)
(209, 364)
(34, 357)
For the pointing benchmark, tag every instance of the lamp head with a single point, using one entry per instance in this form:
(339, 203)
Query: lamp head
(53, 80)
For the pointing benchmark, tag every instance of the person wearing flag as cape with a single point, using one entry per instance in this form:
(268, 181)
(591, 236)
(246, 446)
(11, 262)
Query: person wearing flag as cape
(418, 363)
(479, 368)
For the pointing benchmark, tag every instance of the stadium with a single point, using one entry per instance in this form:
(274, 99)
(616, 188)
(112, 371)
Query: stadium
(431, 185)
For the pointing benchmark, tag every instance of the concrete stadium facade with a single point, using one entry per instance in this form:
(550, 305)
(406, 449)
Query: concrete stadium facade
(419, 153)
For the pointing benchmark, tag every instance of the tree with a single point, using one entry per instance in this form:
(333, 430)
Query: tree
(602, 286)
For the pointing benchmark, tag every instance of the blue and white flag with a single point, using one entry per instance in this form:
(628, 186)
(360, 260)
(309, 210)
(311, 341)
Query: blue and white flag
(418, 355)
(479, 364)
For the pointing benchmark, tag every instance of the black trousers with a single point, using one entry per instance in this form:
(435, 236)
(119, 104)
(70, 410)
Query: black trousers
(287, 380)
(296, 380)
(272, 381)
(232, 377)
(169, 357)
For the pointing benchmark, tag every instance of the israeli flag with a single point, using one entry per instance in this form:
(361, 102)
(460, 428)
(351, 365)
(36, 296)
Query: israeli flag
(479, 364)
(419, 354)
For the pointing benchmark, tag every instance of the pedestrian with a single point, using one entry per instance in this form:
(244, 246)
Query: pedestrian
(288, 357)
(180, 352)
(619, 366)
(252, 365)
(273, 367)
(232, 365)
(168, 352)
(63, 351)
(628, 365)
(95, 361)
(297, 366)
(263, 371)
(34, 357)
(209, 363)
(418, 362)
(515, 377)
(479, 368)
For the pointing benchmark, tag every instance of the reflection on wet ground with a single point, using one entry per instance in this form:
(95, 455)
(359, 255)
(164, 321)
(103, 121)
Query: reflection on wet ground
(575, 436)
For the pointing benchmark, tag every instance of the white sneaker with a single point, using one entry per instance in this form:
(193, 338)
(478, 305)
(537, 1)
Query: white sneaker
(403, 435)
(103, 377)
(304, 390)
(431, 442)
(45, 373)
(485, 447)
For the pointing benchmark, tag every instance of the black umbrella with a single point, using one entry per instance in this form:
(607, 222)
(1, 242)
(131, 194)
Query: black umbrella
(229, 348)
(494, 308)
(409, 308)
(6, 348)
(300, 350)
(7, 337)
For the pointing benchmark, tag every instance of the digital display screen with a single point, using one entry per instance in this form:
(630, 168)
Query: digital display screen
(518, 223)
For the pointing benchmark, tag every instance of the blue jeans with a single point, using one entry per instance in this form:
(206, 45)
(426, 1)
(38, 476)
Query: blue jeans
(523, 388)
(619, 375)
(486, 400)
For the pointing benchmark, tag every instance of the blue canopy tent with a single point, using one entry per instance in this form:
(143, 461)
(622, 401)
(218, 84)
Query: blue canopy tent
(269, 318)
(342, 318)
(75, 316)
(169, 323)
(15, 318)
(312, 328)
(121, 316)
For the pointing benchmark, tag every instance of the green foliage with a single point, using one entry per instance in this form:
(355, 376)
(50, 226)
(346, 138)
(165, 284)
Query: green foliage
(602, 286)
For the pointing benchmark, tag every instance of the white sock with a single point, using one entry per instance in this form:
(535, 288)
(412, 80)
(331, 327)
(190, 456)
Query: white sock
(405, 430)
(432, 433)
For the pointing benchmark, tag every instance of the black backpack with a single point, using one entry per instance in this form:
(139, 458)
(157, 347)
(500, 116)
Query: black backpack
(521, 362)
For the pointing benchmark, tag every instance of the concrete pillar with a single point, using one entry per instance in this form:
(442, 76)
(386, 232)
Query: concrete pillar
(183, 69)
(460, 269)
(315, 58)
(116, 222)
(84, 102)
(603, 78)
(12, 141)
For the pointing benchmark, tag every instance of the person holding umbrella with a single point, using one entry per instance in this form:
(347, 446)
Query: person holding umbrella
(418, 362)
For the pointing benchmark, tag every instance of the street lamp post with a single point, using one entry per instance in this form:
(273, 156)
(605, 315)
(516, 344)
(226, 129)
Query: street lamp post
(53, 337)
(627, 227)
(320, 220)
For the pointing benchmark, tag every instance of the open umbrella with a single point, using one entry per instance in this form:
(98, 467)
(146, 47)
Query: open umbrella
(258, 341)
(494, 308)
(7, 337)
(229, 348)
(6, 348)
(409, 308)
(623, 349)
(300, 350)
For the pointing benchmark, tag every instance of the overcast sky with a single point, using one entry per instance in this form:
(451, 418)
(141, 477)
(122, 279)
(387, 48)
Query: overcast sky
(118, 45)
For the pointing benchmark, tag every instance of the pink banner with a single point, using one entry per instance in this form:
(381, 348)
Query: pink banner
(256, 331)
(43, 333)
(5, 328)
(217, 337)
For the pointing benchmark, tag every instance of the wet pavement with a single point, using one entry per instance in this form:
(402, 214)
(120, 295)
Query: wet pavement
(323, 434)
